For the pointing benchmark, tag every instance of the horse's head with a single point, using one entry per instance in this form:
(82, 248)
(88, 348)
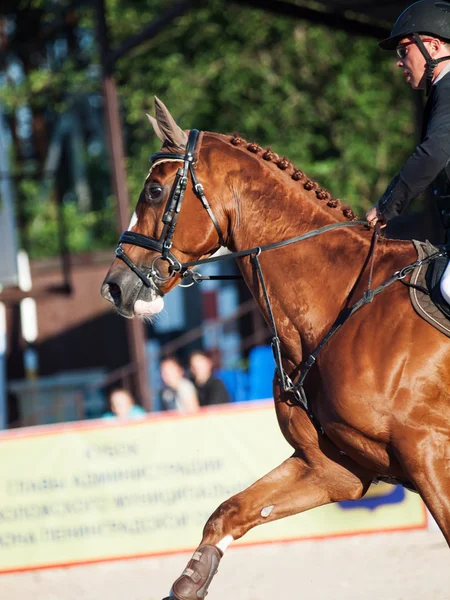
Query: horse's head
(173, 222)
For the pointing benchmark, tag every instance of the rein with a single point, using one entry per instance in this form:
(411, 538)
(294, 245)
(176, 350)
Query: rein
(286, 384)
(150, 276)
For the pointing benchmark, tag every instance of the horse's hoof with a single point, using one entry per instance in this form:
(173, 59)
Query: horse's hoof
(195, 579)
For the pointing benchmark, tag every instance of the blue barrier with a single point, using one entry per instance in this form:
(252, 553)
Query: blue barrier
(260, 370)
(236, 381)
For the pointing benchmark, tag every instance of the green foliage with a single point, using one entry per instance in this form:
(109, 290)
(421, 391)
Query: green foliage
(85, 230)
(330, 102)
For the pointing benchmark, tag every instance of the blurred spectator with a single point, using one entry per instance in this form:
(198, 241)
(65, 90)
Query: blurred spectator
(123, 406)
(180, 393)
(210, 389)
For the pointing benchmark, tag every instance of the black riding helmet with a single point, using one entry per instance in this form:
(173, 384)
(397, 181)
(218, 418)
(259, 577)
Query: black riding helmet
(430, 17)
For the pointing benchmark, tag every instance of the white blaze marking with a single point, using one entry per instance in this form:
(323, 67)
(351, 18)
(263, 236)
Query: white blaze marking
(225, 542)
(266, 511)
(133, 221)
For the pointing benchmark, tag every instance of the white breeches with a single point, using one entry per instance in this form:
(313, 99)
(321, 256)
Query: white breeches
(445, 284)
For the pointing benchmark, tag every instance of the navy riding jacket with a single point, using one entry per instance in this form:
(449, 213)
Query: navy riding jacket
(429, 165)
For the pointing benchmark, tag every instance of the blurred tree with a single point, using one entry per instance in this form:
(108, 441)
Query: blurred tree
(329, 101)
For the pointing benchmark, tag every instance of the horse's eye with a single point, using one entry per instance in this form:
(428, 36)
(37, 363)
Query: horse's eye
(154, 192)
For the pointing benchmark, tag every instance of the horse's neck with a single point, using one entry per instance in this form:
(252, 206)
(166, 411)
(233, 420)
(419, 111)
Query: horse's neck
(308, 282)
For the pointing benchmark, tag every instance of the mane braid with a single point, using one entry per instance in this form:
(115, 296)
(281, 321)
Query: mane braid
(284, 165)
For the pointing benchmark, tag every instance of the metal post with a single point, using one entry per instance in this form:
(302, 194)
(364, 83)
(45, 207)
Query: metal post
(135, 328)
(8, 265)
(3, 392)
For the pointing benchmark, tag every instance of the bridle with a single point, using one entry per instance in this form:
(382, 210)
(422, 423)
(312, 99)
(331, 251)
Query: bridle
(163, 245)
(172, 210)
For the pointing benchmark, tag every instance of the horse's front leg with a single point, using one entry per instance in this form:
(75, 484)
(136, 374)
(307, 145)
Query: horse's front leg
(297, 485)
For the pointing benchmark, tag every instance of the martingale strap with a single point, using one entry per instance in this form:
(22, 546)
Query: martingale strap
(286, 384)
(163, 245)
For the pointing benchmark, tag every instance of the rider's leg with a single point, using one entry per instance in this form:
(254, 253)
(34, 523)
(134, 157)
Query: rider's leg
(297, 485)
(445, 284)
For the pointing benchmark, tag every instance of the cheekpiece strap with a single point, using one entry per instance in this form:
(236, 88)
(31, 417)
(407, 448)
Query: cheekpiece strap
(432, 63)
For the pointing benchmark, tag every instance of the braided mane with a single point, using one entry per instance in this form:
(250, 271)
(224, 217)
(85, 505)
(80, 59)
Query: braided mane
(286, 165)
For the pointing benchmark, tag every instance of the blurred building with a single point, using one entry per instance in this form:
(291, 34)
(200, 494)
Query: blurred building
(62, 346)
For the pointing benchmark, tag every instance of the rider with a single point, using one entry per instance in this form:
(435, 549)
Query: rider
(421, 38)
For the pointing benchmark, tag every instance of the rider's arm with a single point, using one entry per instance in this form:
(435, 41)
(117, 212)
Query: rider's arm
(427, 161)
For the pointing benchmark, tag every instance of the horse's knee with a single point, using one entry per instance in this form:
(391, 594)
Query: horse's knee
(354, 490)
(223, 521)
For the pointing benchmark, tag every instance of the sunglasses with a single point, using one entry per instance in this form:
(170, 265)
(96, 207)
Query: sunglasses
(402, 48)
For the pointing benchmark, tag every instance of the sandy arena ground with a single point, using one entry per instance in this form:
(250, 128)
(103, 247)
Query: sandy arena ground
(395, 566)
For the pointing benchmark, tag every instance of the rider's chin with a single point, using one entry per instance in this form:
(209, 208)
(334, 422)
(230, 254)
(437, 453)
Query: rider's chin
(147, 310)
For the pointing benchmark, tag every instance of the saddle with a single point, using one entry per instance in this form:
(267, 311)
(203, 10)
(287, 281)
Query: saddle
(424, 288)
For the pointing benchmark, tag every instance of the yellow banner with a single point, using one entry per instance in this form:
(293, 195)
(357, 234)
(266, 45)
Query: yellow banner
(102, 491)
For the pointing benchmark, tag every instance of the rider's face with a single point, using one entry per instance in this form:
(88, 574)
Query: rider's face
(413, 64)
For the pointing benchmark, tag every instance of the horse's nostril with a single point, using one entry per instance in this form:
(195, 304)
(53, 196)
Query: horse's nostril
(111, 292)
(115, 292)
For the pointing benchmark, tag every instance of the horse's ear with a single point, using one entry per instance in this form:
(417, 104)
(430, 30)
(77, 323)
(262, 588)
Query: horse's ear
(173, 135)
(156, 129)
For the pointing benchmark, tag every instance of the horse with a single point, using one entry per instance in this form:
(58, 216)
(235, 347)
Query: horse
(376, 402)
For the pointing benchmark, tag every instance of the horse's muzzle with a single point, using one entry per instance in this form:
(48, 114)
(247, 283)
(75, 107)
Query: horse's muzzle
(131, 298)
(122, 288)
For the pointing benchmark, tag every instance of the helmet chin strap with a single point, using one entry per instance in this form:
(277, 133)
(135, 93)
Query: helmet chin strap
(432, 63)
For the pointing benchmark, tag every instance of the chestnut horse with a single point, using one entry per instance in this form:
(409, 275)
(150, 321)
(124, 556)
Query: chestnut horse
(378, 391)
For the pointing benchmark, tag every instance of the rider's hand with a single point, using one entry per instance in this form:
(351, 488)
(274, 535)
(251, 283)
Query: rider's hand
(374, 216)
